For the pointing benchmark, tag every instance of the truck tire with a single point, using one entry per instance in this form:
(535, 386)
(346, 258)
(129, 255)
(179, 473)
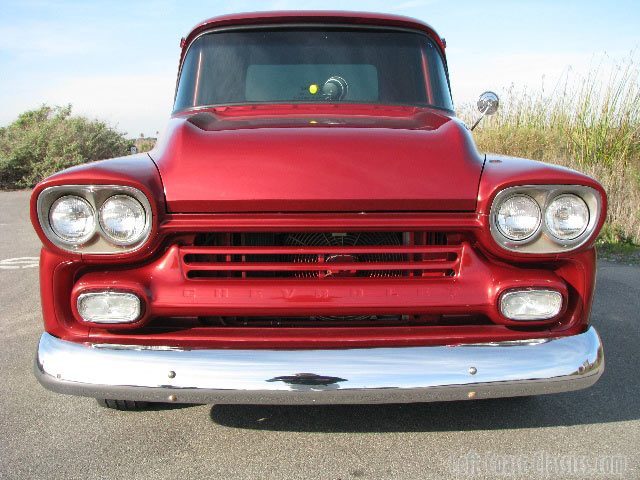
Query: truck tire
(122, 404)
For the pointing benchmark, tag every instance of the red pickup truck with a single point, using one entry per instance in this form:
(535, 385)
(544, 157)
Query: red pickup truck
(316, 226)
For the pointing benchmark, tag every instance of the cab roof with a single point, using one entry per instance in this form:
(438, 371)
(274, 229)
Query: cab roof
(311, 17)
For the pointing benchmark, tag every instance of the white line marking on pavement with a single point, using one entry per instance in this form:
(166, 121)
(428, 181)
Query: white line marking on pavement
(19, 262)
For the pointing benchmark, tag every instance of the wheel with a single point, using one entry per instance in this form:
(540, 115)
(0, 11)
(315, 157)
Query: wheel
(122, 404)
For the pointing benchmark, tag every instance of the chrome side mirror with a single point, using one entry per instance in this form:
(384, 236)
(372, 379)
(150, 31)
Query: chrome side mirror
(487, 105)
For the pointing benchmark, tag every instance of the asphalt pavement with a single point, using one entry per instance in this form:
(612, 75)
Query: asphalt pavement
(593, 433)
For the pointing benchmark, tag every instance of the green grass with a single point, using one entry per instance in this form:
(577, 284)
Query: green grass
(591, 125)
(613, 246)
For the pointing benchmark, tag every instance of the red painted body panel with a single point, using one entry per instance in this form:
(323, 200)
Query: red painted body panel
(168, 292)
(484, 276)
(62, 272)
(314, 158)
(315, 168)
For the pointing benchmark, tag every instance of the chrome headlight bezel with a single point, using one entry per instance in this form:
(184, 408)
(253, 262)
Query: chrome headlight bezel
(95, 196)
(543, 241)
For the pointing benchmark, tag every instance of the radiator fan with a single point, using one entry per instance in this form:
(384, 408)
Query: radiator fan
(321, 239)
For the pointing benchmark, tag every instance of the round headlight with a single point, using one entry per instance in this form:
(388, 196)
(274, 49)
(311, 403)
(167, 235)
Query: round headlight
(72, 219)
(518, 217)
(567, 217)
(123, 219)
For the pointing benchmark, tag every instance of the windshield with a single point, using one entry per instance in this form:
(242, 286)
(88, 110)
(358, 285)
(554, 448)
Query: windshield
(313, 66)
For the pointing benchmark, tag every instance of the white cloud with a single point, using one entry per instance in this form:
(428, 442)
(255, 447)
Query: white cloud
(132, 103)
(43, 39)
(531, 71)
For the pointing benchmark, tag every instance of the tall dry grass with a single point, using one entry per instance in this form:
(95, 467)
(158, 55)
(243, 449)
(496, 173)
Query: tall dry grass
(591, 125)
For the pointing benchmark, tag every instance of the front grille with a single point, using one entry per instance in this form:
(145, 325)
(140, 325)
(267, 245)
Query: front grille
(320, 255)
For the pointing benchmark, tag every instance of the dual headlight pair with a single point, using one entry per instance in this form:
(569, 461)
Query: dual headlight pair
(95, 218)
(519, 217)
(544, 218)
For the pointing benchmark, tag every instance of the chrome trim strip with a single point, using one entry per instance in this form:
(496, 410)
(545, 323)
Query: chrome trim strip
(366, 375)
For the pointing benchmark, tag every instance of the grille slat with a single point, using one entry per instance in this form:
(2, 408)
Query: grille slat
(381, 249)
(321, 255)
(301, 267)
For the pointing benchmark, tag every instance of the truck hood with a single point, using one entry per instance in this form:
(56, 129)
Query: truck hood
(289, 160)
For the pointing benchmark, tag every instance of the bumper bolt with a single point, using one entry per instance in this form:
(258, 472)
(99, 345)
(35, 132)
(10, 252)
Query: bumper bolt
(471, 394)
(172, 398)
(172, 374)
(473, 370)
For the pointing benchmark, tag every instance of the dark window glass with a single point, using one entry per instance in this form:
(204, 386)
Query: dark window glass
(311, 65)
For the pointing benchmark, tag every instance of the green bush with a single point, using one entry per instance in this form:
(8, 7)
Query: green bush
(43, 141)
(145, 144)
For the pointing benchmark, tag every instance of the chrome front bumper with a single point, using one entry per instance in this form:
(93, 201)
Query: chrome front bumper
(364, 375)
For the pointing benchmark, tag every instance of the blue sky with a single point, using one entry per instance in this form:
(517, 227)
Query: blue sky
(117, 60)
